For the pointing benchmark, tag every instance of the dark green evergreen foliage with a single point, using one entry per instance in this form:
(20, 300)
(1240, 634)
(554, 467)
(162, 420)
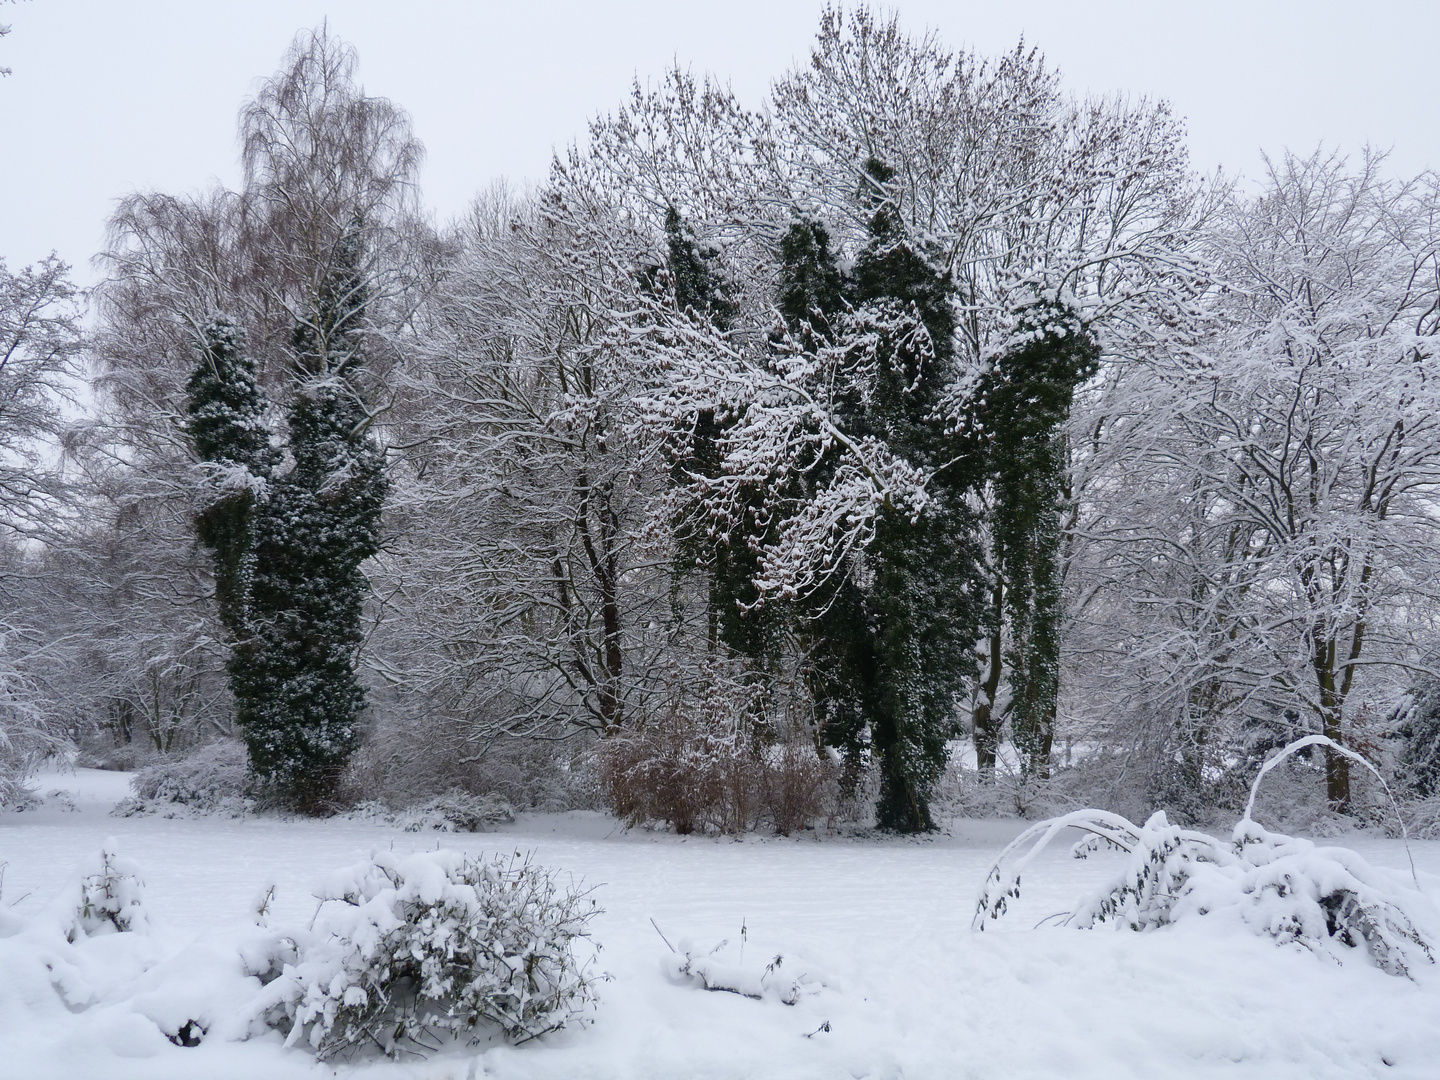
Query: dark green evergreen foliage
(300, 702)
(1420, 726)
(725, 558)
(904, 301)
(892, 642)
(1026, 402)
(226, 423)
(812, 289)
(811, 299)
(699, 283)
(299, 699)
(226, 412)
(287, 564)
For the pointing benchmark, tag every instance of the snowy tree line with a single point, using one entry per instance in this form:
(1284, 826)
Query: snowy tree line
(752, 452)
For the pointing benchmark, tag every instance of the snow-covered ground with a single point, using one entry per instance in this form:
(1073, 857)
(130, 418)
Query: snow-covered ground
(910, 990)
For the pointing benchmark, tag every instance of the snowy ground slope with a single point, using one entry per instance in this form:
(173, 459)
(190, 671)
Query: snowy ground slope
(910, 991)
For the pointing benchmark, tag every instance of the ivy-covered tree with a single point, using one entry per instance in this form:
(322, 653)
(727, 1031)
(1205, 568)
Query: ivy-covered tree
(894, 637)
(810, 301)
(701, 294)
(288, 545)
(226, 423)
(294, 678)
(1027, 402)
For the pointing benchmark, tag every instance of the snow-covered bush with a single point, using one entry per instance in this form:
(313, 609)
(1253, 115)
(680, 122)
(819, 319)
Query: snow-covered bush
(453, 812)
(109, 897)
(1328, 900)
(1422, 818)
(213, 779)
(405, 950)
(457, 811)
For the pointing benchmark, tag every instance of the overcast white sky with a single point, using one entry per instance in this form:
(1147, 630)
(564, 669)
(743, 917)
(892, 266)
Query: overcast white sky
(107, 97)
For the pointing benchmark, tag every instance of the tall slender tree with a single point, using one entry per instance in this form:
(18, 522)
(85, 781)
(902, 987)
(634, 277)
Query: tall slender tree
(1026, 405)
(299, 699)
(225, 419)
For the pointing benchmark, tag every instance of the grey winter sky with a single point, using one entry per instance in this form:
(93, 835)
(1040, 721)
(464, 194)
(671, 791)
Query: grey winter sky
(108, 97)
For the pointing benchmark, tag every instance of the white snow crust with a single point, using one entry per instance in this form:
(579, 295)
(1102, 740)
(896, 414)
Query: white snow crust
(876, 934)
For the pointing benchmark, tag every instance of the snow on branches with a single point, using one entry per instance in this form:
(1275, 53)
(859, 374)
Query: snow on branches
(783, 413)
(1327, 900)
(405, 949)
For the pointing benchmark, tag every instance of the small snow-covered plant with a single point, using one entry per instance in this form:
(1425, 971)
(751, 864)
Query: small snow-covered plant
(456, 811)
(1328, 900)
(111, 898)
(406, 950)
(774, 977)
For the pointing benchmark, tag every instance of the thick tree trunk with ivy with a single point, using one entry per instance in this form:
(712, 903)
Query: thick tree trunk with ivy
(909, 644)
(987, 721)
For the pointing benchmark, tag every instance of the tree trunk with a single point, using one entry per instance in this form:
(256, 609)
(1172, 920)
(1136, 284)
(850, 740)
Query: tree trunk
(1337, 766)
(987, 725)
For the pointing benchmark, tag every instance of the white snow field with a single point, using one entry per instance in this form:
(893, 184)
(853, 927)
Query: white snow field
(909, 990)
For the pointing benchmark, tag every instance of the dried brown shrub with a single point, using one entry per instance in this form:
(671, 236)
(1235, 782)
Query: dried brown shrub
(713, 763)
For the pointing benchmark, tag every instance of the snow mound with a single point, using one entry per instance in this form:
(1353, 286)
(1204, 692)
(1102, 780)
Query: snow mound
(777, 980)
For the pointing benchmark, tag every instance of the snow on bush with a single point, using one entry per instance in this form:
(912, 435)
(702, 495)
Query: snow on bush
(109, 897)
(712, 969)
(402, 952)
(213, 779)
(456, 811)
(405, 950)
(1328, 900)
